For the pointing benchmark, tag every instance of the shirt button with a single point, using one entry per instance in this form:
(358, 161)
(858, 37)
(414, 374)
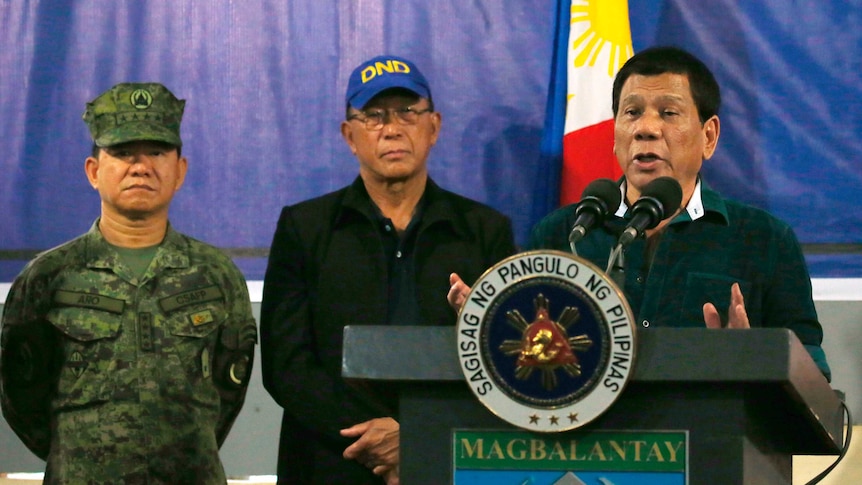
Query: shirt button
(398, 254)
(388, 228)
(645, 323)
(640, 279)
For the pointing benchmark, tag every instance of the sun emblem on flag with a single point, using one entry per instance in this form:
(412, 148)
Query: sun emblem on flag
(545, 344)
(602, 24)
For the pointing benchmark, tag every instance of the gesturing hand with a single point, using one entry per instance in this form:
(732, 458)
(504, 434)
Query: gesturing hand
(458, 291)
(737, 317)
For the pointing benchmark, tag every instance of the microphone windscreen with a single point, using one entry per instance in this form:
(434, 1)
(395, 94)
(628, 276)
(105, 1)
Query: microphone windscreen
(667, 191)
(605, 190)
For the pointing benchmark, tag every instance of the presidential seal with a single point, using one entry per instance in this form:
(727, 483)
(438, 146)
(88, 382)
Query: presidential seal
(546, 341)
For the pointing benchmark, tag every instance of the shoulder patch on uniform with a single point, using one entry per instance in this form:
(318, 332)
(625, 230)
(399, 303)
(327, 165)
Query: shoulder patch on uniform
(89, 300)
(191, 297)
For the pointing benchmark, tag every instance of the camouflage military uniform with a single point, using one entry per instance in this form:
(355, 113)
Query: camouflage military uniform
(115, 379)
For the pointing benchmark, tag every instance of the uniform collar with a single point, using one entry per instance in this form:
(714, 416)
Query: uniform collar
(172, 252)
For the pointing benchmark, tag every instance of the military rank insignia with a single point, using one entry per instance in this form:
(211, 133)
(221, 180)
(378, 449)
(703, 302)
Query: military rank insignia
(546, 341)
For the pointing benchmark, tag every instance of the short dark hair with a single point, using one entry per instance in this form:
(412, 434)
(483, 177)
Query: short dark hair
(668, 59)
(94, 151)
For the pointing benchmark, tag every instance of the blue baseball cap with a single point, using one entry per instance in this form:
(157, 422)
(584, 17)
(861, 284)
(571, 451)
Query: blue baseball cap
(381, 73)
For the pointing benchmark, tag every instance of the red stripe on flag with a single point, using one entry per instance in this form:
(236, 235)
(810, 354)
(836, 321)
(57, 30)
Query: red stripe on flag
(588, 154)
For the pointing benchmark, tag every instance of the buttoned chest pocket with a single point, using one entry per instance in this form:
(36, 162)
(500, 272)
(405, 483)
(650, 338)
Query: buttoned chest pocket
(92, 349)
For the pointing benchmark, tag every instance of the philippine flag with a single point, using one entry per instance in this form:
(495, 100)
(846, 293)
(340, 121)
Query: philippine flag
(599, 43)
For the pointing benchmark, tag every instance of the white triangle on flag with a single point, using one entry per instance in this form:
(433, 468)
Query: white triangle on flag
(600, 42)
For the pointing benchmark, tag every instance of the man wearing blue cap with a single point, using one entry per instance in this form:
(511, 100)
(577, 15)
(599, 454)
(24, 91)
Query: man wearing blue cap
(379, 251)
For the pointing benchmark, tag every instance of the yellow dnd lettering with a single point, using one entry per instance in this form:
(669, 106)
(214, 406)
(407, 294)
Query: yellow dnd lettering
(368, 74)
(381, 67)
(390, 66)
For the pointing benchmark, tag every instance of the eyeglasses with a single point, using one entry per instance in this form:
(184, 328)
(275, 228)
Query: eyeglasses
(374, 119)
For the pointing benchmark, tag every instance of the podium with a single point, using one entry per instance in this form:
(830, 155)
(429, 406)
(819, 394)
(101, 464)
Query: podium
(749, 399)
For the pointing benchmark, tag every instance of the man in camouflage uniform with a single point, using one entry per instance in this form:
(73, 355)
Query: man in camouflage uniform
(126, 352)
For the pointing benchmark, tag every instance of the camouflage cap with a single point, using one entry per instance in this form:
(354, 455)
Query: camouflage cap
(135, 112)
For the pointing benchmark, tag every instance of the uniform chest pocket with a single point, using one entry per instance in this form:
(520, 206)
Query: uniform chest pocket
(90, 353)
(188, 349)
(85, 324)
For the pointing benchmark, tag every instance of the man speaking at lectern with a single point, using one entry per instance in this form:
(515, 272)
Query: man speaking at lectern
(711, 261)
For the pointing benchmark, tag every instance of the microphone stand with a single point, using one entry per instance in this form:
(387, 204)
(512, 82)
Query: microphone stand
(616, 266)
(572, 246)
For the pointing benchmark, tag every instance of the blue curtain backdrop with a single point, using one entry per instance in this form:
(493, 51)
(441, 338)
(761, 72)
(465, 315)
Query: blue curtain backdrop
(264, 83)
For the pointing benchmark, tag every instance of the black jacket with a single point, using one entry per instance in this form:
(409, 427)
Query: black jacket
(327, 269)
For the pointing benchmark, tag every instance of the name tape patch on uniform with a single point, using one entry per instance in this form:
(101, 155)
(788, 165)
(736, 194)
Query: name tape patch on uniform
(89, 300)
(546, 341)
(191, 297)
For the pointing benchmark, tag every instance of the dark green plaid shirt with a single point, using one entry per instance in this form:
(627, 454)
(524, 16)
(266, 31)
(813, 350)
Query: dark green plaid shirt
(697, 260)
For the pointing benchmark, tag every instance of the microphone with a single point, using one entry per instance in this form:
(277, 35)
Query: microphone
(600, 197)
(659, 199)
